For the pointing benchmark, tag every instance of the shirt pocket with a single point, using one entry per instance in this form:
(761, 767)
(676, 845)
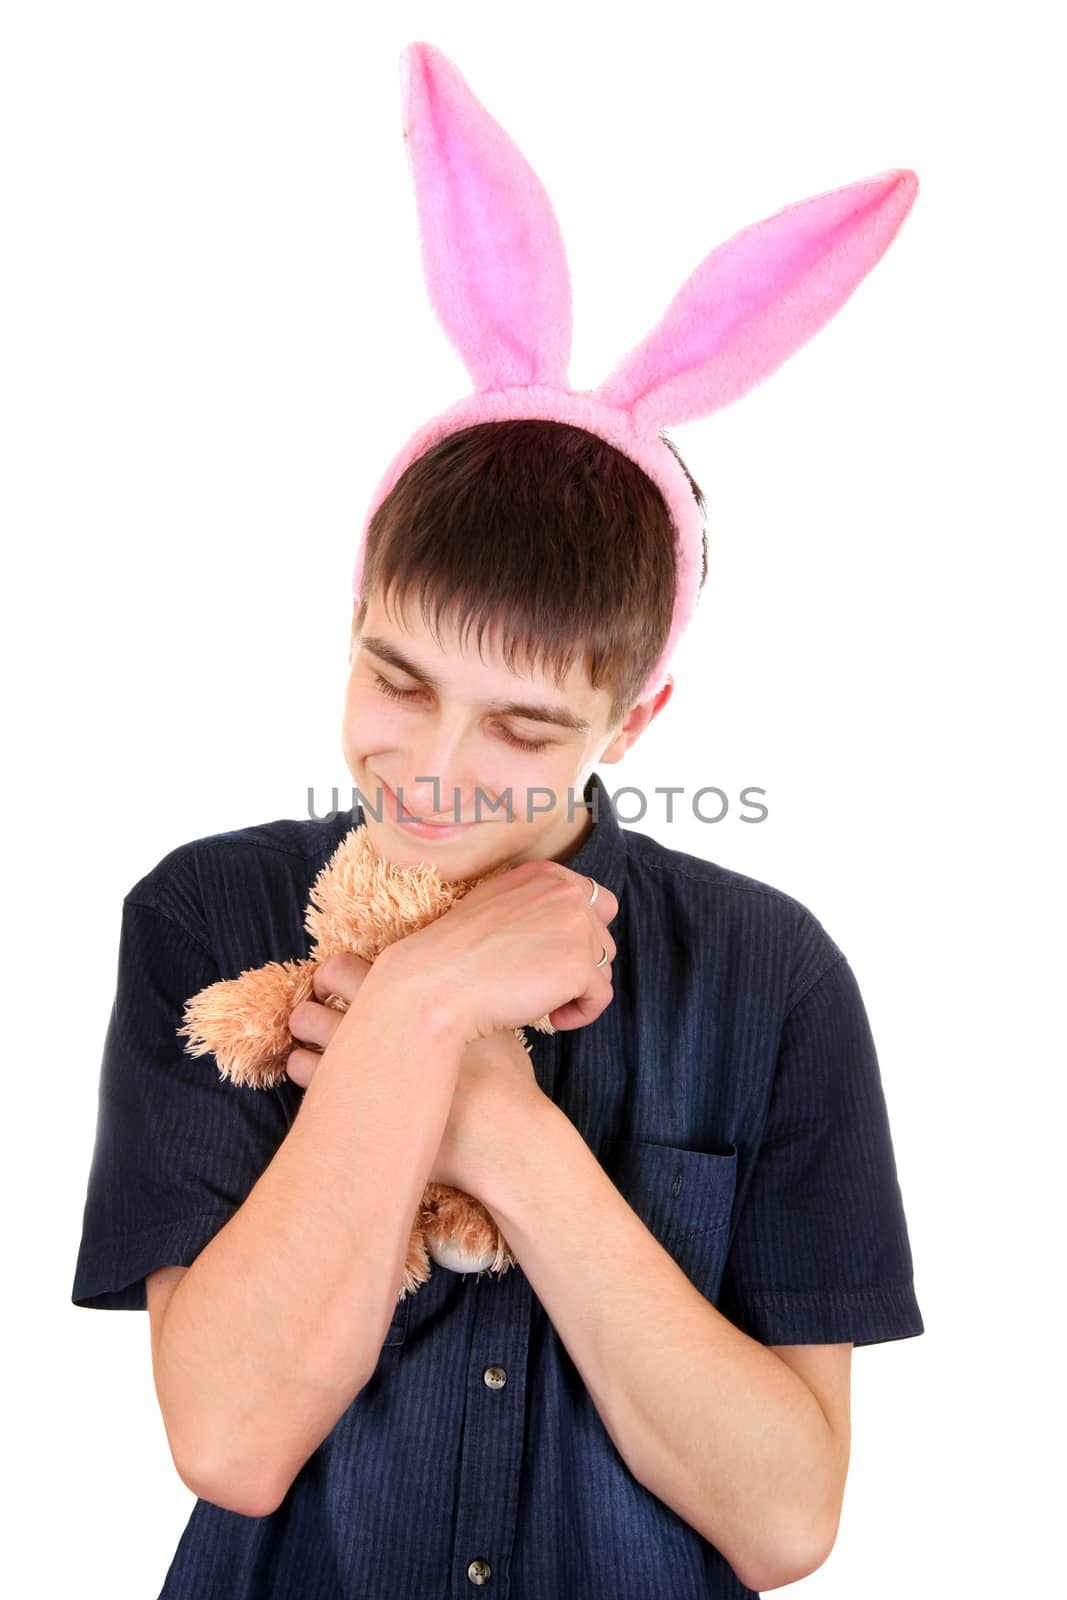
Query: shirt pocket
(684, 1197)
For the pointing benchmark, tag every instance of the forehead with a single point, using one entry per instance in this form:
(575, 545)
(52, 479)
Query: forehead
(408, 646)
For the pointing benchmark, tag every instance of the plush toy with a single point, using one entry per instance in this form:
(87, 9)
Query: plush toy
(359, 903)
(496, 275)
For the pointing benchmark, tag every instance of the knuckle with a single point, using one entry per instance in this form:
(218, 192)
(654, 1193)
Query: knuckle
(555, 874)
(530, 872)
(337, 971)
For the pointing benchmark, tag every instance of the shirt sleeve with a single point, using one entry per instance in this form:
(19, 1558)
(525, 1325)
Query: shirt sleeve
(821, 1253)
(178, 1148)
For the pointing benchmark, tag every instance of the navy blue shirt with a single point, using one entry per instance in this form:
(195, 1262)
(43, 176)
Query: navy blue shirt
(732, 1092)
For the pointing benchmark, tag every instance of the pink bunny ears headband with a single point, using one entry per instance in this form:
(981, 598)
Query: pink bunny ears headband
(496, 274)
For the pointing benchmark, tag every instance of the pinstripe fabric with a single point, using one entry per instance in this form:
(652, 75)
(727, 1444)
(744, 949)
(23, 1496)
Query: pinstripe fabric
(731, 1090)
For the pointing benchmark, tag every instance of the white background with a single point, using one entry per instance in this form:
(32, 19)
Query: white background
(215, 335)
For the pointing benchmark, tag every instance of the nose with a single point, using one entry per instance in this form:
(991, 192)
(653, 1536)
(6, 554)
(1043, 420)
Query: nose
(440, 786)
(440, 802)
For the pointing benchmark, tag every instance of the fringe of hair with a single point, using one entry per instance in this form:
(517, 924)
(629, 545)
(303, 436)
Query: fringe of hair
(544, 531)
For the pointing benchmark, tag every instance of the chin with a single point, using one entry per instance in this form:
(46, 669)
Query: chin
(399, 842)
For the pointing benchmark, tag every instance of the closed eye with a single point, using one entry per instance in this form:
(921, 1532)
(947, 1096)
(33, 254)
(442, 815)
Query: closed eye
(530, 746)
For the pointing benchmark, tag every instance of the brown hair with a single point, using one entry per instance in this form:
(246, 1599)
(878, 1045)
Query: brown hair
(541, 528)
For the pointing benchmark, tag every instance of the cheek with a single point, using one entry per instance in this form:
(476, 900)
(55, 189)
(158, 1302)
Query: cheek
(370, 723)
(538, 784)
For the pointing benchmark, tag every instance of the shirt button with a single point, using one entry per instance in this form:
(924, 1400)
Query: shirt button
(494, 1377)
(479, 1571)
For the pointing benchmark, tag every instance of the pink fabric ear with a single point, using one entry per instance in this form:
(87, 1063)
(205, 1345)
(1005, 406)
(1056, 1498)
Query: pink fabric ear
(496, 274)
(756, 299)
(492, 250)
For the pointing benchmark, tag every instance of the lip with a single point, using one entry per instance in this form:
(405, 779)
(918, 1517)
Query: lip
(422, 830)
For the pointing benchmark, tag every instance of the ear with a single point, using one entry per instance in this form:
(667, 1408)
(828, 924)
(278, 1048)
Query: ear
(756, 299)
(662, 695)
(655, 703)
(492, 250)
(637, 720)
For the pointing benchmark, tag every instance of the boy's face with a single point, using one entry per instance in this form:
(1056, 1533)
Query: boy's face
(446, 719)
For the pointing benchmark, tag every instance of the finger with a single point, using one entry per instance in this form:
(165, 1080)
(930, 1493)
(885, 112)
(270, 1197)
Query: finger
(601, 944)
(339, 974)
(314, 1024)
(300, 1066)
(606, 905)
(585, 1008)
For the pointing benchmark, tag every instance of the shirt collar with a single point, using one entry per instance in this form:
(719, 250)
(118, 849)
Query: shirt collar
(602, 855)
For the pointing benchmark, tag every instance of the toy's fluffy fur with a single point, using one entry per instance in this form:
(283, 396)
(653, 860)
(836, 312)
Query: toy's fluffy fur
(359, 903)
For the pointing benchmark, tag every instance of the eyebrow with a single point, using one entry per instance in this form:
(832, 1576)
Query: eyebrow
(559, 716)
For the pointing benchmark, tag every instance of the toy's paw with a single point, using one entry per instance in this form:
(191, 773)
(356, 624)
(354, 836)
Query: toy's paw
(460, 1233)
(244, 1022)
(447, 1253)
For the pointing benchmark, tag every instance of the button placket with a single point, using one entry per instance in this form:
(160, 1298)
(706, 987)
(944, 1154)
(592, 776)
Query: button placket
(493, 1432)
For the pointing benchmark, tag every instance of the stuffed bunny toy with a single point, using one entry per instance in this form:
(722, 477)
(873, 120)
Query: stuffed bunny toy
(497, 278)
(359, 903)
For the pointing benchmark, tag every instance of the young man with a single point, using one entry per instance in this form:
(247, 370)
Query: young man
(695, 1172)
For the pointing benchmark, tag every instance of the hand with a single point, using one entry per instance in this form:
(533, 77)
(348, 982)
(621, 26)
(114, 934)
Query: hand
(517, 947)
(314, 1022)
(492, 1072)
(490, 1068)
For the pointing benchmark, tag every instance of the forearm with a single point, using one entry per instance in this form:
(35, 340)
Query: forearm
(278, 1323)
(709, 1420)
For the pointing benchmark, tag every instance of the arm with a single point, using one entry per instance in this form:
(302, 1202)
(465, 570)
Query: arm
(710, 1421)
(278, 1323)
